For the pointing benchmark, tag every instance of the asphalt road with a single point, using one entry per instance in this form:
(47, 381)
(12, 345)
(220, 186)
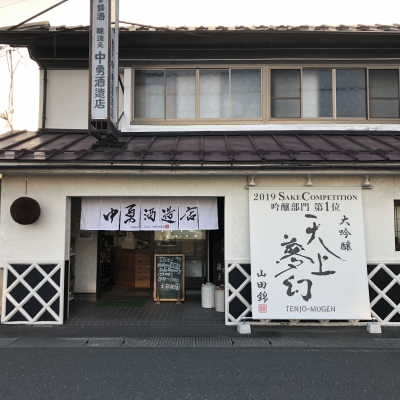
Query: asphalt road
(182, 373)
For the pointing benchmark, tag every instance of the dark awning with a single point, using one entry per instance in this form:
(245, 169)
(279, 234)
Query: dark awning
(204, 148)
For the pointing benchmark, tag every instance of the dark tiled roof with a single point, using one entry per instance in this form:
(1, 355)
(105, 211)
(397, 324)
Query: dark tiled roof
(45, 26)
(202, 149)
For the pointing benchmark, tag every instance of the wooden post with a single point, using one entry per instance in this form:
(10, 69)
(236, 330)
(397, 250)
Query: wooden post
(158, 298)
(179, 298)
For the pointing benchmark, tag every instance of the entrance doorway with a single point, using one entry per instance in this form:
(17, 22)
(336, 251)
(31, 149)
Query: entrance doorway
(118, 266)
(126, 261)
(124, 266)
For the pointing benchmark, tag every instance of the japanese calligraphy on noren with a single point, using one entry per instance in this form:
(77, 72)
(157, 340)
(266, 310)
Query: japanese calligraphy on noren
(308, 254)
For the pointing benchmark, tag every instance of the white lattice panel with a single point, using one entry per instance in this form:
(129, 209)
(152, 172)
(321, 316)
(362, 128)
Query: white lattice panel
(33, 293)
(234, 294)
(389, 293)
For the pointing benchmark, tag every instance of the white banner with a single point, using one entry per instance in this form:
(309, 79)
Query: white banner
(110, 213)
(169, 213)
(130, 214)
(150, 214)
(208, 213)
(308, 254)
(188, 213)
(90, 213)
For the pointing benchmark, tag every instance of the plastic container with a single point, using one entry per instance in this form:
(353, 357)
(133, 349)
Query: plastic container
(219, 299)
(207, 295)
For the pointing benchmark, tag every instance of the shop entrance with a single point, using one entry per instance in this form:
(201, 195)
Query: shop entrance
(124, 266)
(112, 272)
(126, 261)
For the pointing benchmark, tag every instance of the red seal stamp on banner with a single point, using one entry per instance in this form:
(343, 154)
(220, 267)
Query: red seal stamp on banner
(262, 308)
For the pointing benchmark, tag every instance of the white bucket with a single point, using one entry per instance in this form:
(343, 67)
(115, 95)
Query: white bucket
(220, 299)
(207, 295)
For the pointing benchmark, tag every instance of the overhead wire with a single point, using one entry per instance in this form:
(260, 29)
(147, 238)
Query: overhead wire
(11, 4)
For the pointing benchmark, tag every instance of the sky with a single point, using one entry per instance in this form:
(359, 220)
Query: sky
(176, 13)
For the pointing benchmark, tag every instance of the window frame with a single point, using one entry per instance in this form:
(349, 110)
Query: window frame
(266, 99)
(334, 117)
(197, 120)
(380, 98)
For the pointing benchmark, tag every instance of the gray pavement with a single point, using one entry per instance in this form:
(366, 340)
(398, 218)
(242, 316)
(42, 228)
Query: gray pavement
(188, 320)
(198, 373)
(201, 342)
(76, 331)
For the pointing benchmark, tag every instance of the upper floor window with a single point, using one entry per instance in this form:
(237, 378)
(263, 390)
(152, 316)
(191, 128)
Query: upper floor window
(384, 93)
(192, 95)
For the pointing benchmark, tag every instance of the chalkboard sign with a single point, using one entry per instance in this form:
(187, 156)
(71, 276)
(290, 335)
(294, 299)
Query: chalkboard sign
(169, 277)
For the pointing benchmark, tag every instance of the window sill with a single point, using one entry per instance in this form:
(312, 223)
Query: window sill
(277, 121)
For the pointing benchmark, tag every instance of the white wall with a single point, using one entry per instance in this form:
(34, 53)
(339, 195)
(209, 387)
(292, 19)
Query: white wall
(85, 254)
(67, 99)
(46, 239)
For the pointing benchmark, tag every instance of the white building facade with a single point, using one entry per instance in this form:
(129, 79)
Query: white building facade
(218, 123)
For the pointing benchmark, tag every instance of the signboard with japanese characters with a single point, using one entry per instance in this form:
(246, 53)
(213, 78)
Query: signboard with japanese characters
(308, 254)
(169, 277)
(149, 213)
(114, 61)
(104, 60)
(100, 58)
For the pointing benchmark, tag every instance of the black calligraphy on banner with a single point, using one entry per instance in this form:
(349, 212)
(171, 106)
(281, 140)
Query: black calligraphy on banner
(307, 253)
(190, 214)
(169, 214)
(150, 213)
(130, 214)
(346, 233)
(111, 215)
(298, 261)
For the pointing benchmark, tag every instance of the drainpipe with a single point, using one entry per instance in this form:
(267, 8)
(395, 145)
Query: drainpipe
(44, 105)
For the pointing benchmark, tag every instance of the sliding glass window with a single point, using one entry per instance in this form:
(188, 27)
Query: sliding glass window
(180, 94)
(309, 93)
(285, 93)
(149, 94)
(351, 92)
(384, 93)
(197, 94)
(246, 95)
(317, 93)
(214, 94)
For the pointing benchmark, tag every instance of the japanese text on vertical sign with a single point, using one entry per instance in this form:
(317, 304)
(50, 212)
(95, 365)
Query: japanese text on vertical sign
(100, 27)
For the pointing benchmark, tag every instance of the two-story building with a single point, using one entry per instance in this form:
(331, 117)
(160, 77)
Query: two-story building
(304, 120)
